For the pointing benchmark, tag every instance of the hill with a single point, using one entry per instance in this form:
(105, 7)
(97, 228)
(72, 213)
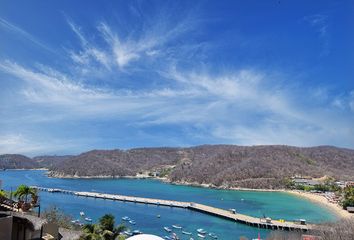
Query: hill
(17, 161)
(218, 165)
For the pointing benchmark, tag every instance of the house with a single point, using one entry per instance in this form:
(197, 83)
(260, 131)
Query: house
(305, 182)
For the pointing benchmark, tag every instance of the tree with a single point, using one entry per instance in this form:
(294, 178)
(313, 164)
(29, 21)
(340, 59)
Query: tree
(3, 194)
(104, 230)
(23, 191)
(107, 222)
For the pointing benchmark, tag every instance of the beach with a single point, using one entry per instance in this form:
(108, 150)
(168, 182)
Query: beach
(314, 197)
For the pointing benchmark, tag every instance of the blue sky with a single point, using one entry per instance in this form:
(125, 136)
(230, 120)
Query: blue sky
(81, 75)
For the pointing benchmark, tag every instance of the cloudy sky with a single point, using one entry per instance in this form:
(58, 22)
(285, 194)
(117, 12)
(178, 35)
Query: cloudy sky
(81, 75)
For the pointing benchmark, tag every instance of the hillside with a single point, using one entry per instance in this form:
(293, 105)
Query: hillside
(219, 165)
(17, 161)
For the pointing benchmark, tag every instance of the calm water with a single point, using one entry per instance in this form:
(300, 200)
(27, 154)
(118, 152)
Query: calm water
(273, 204)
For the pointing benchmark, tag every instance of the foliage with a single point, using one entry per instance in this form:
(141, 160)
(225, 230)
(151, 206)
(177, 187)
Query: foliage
(348, 198)
(104, 230)
(55, 215)
(3, 194)
(23, 191)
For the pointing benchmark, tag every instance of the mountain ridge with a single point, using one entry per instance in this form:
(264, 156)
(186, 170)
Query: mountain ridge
(261, 166)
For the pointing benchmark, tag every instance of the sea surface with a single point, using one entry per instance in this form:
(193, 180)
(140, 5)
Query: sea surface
(276, 205)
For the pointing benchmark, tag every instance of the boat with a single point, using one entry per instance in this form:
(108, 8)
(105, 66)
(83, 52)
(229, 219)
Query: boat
(167, 237)
(88, 219)
(174, 236)
(132, 222)
(201, 231)
(128, 233)
(177, 226)
(187, 233)
(136, 232)
(213, 235)
(158, 216)
(167, 229)
(201, 235)
(125, 218)
(82, 214)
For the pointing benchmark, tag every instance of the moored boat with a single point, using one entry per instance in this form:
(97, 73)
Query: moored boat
(201, 231)
(176, 226)
(201, 235)
(167, 229)
(187, 233)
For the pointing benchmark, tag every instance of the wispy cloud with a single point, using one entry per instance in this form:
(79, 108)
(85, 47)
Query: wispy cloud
(17, 30)
(320, 23)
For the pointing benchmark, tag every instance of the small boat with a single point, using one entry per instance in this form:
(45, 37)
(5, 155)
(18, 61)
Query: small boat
(167, 237)
(174, 236)
(82, 214)
(201, 231)
(177, 226)
(132, 222)
(128, 233)
(191, 239)
(136, 232)
(201, 235)
(88, 219)
(213, 235)
(125, 218)
(158, 216)
(187, 233)
(167, 229)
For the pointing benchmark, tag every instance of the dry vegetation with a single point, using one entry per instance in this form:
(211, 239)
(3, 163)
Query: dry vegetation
(219, 165)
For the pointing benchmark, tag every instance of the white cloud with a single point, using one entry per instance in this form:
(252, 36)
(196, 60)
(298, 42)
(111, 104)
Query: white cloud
(17, 30)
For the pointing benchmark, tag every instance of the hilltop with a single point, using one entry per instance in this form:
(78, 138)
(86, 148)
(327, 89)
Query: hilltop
(217, 165)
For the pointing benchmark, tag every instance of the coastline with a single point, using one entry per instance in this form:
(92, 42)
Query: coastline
(317, 198)
(313, 197)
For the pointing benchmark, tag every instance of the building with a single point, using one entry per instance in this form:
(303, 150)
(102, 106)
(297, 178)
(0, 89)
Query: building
(305, 182)
(19, 226)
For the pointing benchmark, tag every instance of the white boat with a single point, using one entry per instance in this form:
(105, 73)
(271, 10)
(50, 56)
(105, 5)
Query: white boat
(167, 237)
(88, 219)
(213, 235)
(132, 222)
(125, 218)
(187, 233)
(136, 232)
(201, 235)
(201, 231)
(82, 214)
(177, 226)
(128, 233)
(167, 229)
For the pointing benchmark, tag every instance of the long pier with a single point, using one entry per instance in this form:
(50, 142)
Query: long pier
(226, 214)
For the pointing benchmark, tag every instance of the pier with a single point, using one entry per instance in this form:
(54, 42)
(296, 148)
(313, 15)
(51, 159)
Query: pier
(226, 214)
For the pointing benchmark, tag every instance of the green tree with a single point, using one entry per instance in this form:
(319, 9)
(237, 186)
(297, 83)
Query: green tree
(23, 191)
(3, 194)
(107, 222)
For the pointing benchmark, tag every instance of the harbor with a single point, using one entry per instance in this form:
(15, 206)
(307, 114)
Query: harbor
(231, 215)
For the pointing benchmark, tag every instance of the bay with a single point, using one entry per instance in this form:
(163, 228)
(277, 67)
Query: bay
(277, 205)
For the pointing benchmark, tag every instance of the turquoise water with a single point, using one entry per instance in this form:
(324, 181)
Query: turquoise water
(273, 204)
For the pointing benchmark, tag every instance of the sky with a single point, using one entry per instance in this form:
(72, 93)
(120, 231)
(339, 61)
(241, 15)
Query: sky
(82, 75)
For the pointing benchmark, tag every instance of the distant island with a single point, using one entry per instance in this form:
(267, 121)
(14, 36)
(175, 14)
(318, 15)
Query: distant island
(221, 166)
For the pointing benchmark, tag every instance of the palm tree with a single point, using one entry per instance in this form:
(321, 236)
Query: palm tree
(23, 191)
(91, 232)
(3, 194)
(107, 222)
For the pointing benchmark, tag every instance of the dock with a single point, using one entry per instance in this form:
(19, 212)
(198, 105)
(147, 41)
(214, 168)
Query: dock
(218, 212)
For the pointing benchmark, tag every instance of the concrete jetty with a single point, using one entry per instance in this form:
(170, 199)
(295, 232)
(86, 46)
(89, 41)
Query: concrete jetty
(226, 214)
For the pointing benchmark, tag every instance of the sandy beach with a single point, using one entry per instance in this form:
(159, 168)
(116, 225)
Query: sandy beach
(338, 210)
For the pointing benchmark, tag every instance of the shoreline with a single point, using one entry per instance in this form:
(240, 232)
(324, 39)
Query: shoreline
(313, 197)
(317, 198)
